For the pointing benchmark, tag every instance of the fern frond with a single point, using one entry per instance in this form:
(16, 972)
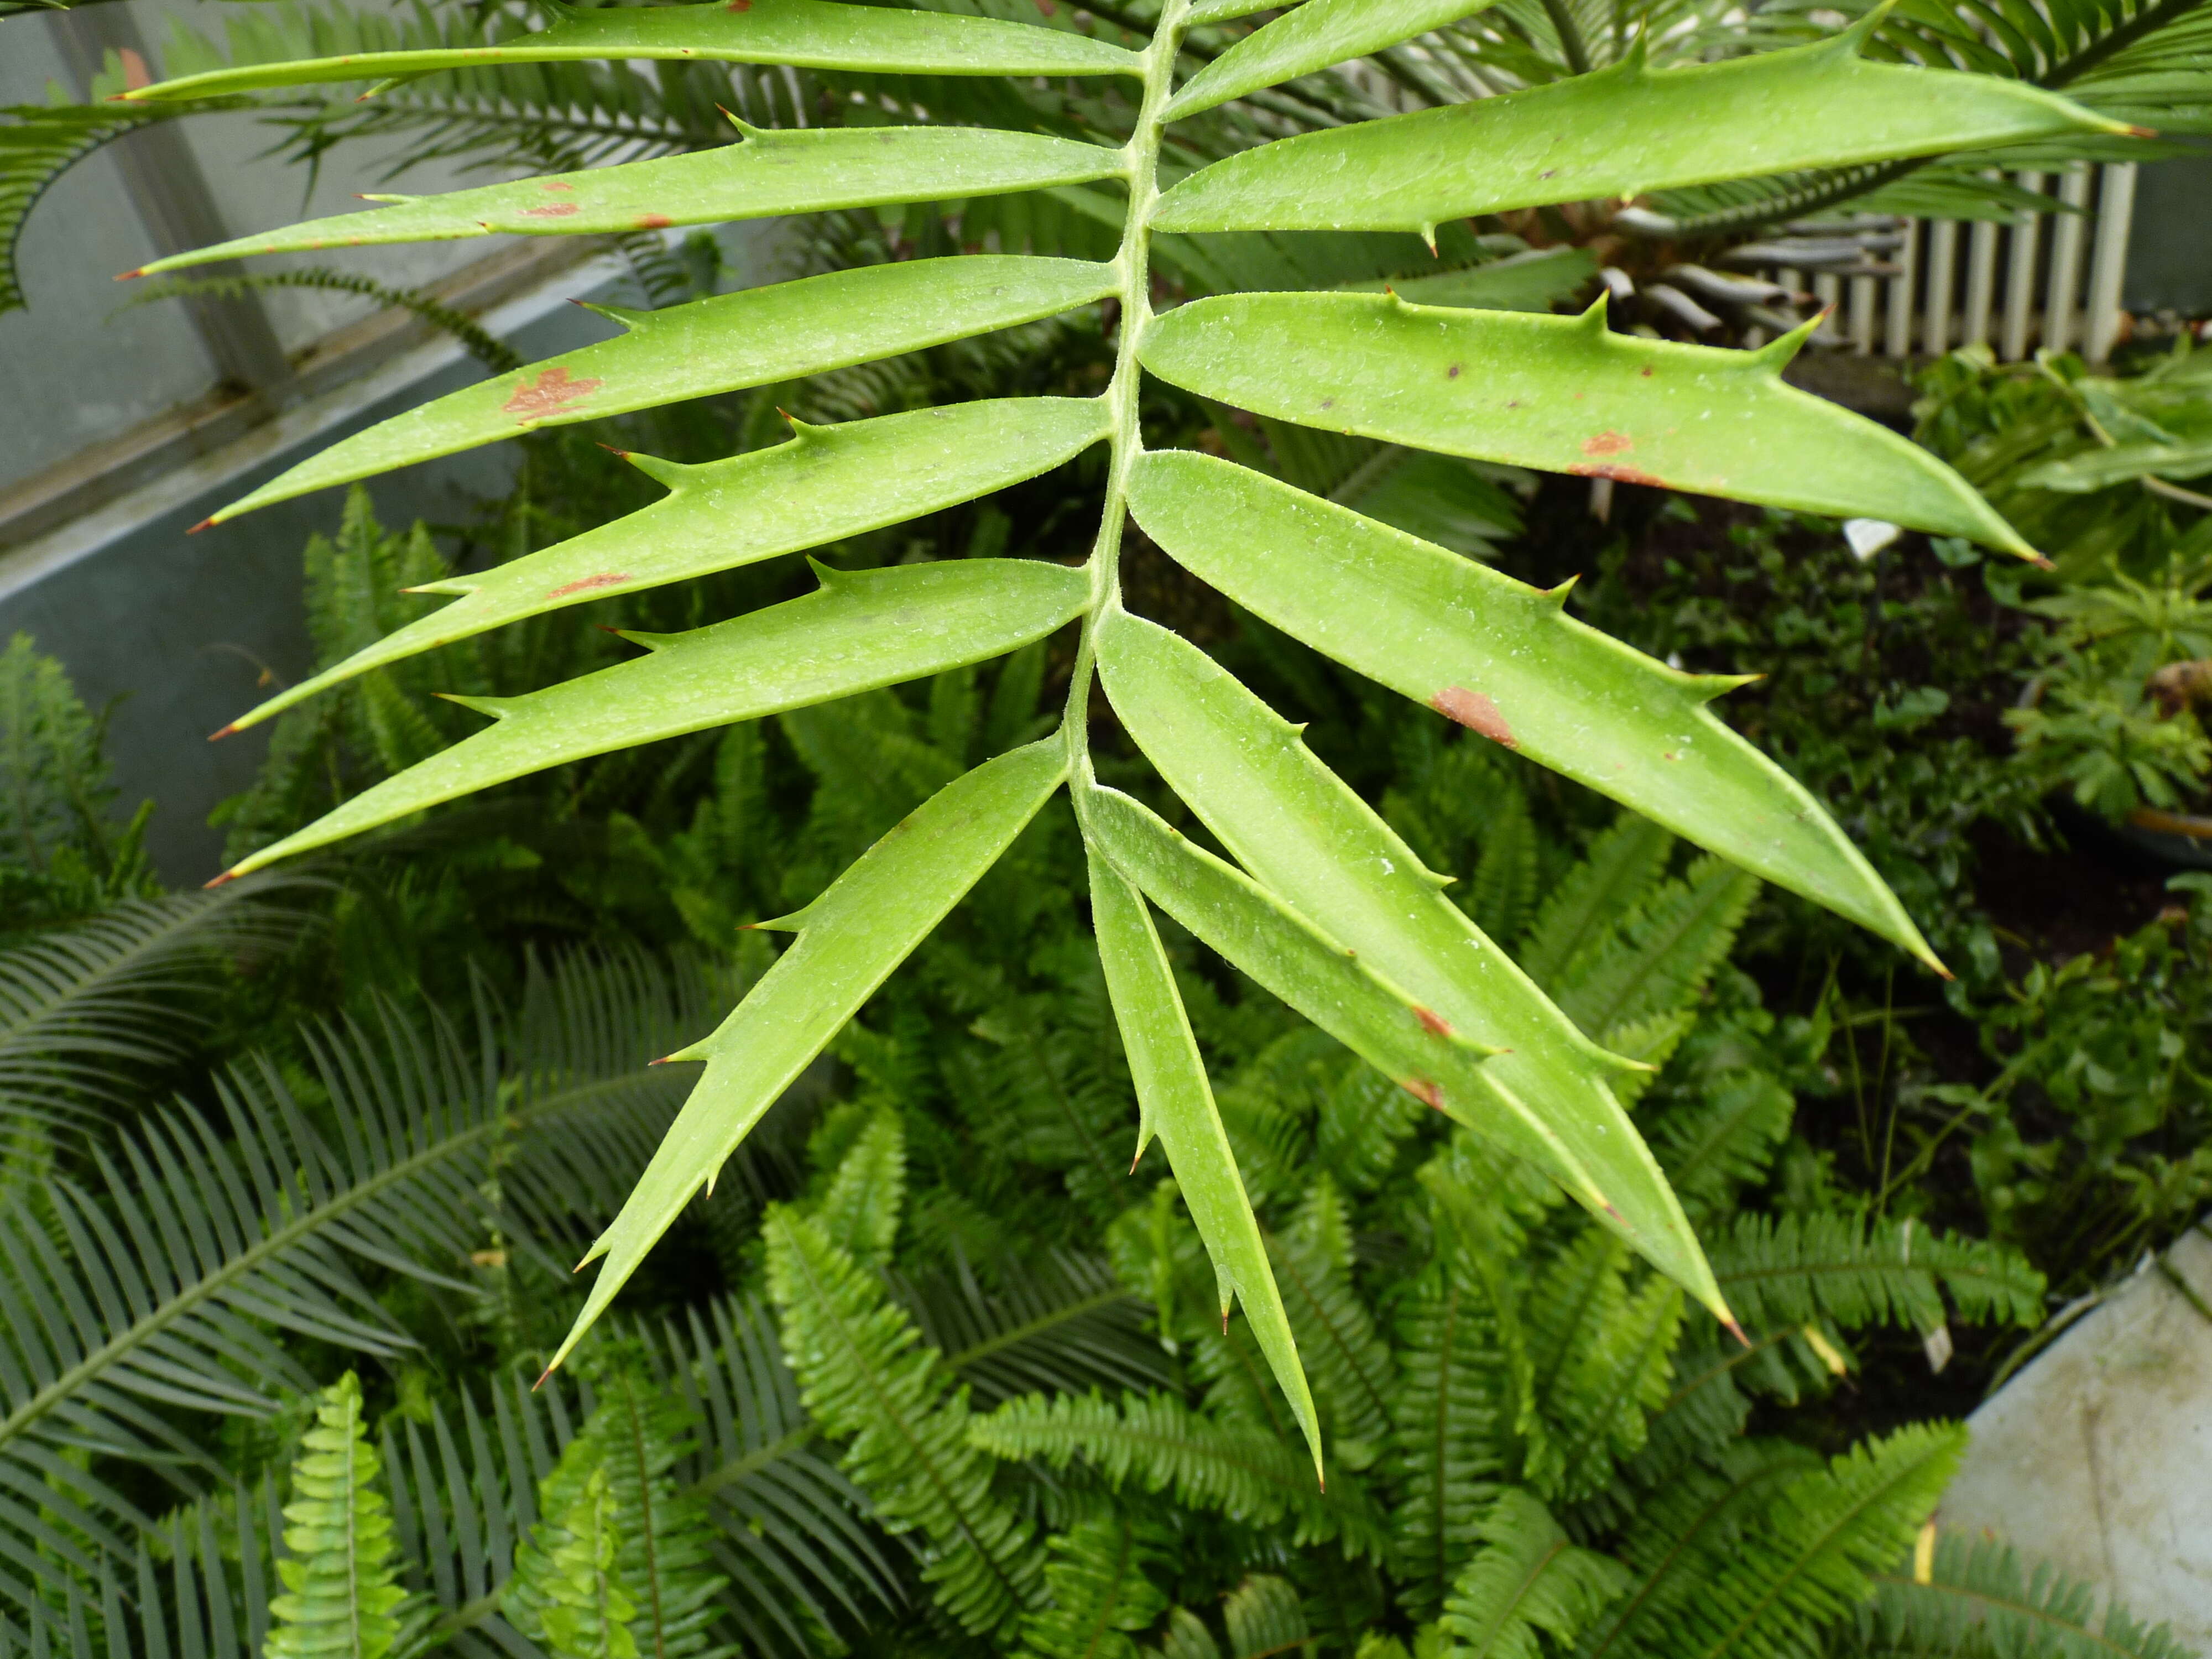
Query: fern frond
(1364, 1121)
(1446, 1413)
(342, 1588)
(1807, 1562)
(1504, 889)
(1602, 1363)
(1055, 1086)
(1722, 1140)
(1527, 1579)
(1613, 881)
(1348, 1363)
(1664, 953)
(1056, 1322)
(1162, 1445)
(1099, 1590)
(1982, 1597)
(619, 1564)
(1263, 1617)
(1702, 1519)
(1789, 1270)
(860, 1213)
(866, 1376)
(796, 1544)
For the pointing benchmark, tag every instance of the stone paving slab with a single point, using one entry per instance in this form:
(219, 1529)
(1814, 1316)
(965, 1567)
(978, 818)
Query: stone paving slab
(2098, 1456)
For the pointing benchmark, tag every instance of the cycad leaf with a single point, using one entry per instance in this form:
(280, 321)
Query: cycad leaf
(170, 1285)
(84, 1009)
(1621, 132)
(862, 630)
(1506, 660)
(1323, 980)
(1308, 839)
(1310, 38)
(828, 484)
(772, 172)
(752, 337)
(850, 940)
(805, 34)
(1563, 393)
(1177, 1103)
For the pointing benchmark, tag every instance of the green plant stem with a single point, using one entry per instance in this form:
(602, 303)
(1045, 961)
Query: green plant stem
(1570, 36)
(1134, 265)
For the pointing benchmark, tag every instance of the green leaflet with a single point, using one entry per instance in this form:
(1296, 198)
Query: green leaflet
(827, 483)
(1619, 131)
(850, 939)
(862, 630)
(1221, 11)
(1178, 1105)
(770, 173)
(753, 338)
(2100, 469)
(1311, 38)
(1327, 983)
(1519, 281)
(1313, 843)
(807, 33)
(1505, 661)
(1563, 393)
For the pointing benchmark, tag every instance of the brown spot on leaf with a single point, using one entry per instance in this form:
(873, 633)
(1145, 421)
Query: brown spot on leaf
(1425, 1091)
(1328, 403)
(1452, 373)
(549, 394)
(1475, 711)
(557, 184)
(550, 211)
(1431, 1022)
(655, 222)
(1646, 371)
(1607, 443)
(741, 5)
(587, 584)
